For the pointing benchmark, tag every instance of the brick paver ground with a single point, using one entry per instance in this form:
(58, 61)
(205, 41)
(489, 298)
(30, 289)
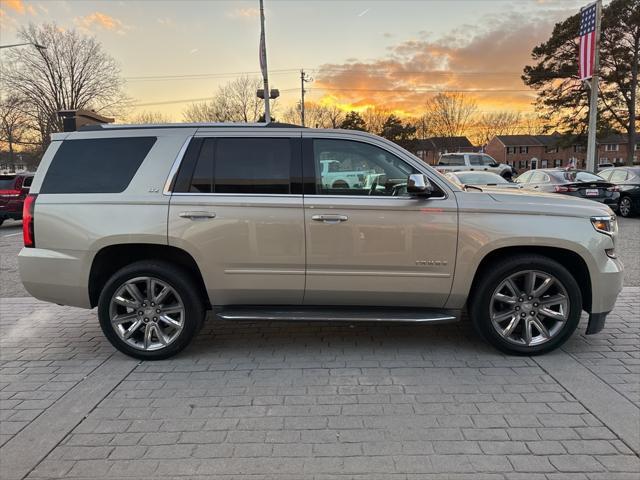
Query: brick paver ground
(325, 401)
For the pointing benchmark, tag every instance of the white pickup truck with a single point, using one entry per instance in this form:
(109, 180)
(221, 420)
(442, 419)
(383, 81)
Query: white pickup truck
(455, 162)
(332, 177)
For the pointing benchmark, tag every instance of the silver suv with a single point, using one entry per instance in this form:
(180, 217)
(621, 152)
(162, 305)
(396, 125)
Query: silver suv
(460, 162)
(157, 225)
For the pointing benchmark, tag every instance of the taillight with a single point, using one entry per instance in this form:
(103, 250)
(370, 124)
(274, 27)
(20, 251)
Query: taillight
(27, 220)
(563, 189)
(9, 193)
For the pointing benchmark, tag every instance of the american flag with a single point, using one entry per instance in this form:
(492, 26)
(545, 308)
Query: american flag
(587, 41)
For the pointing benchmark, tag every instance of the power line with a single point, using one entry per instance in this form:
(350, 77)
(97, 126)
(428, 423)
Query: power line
(187, 100)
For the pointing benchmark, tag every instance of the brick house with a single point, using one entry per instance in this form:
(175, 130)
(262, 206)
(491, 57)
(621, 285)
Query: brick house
(525, 152)
(430, 149)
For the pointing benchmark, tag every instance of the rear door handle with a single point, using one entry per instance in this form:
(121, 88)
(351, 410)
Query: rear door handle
(194, 215)
(330, 218)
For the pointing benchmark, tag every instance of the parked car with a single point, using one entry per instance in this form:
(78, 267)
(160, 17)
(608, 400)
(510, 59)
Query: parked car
(602, 166)
(481, 179)
(627, 179)
(454, 162)
(576, 183)
(13, 190)
(155, 225)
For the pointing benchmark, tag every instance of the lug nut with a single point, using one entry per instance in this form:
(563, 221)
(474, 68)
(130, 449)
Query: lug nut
(523, 314)
(517, 308)
(146, 319)
(532, 313)
(155, 319)
(535, 304)
(157, 310)
(530, 298)
(140, 313)
(521, 299)
(153, 304)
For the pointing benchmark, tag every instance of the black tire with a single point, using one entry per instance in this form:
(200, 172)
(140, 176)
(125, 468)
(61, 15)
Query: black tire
(491, 278)
(180, 280)
(625, 212)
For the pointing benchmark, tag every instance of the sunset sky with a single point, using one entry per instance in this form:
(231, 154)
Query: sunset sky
(360, 53)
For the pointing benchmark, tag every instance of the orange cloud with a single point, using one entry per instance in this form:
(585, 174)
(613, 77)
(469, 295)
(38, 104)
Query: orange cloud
(15, 5)
(100, 20)
(485, 65)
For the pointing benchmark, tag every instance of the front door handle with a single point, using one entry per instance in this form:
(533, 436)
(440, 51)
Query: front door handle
(330, 218)
(194, 215)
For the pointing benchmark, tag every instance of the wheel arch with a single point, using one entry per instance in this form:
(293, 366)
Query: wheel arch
(572, 261)
(112, 258)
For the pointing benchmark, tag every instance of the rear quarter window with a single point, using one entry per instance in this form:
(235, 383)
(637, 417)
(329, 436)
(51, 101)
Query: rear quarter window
(96, 165)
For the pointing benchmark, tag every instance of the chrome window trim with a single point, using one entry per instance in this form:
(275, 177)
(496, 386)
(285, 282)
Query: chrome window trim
(176, 165)
(259, 195)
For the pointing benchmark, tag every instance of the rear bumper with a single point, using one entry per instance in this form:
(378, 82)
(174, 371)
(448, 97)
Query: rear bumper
(60, 277)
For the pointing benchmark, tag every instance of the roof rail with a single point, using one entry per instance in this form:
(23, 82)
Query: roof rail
(96, 127)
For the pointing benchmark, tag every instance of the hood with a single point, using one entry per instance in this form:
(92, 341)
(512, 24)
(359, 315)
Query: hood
(533, 203)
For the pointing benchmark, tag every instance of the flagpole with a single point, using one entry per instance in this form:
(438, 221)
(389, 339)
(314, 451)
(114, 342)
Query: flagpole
(592, 148)
(263, 65)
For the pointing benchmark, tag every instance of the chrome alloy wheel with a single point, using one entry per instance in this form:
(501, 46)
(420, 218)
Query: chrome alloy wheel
(625, 206)
(529, 308)
(147, 313)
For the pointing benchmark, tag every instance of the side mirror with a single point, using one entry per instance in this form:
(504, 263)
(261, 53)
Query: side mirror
(418, 185)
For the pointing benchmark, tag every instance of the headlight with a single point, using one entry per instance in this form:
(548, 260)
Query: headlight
(605, 224)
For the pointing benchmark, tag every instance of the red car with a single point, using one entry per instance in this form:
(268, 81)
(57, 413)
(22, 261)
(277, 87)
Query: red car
(13, 190)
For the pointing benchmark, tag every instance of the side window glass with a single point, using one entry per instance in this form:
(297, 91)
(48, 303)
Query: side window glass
(524, 178)
(606, 174)
(618, 176)
(243, 165)
(202, 179)
(475, 159)
(487, 160)
(347, 167)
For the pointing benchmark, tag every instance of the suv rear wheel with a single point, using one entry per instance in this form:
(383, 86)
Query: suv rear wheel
(150, 310)
(526, 305)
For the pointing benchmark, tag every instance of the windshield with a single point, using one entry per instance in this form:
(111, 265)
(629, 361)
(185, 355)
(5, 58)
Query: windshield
(582, 177)
(474, 178)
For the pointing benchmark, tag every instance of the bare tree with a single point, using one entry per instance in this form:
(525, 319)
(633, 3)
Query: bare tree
(148, 117)
(374, 118)
(423, 126)
(13, 123)
(315, 114)
(489, 125)
(73, 72)
(450, 114)
(235, 101)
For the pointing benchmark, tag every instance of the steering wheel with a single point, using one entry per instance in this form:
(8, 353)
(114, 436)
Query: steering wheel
(399, 189)
(374, 187)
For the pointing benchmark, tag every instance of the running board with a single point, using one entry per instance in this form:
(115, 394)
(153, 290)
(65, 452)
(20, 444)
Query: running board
(336, 314)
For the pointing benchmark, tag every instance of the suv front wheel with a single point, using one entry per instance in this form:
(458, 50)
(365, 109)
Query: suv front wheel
(526, 305)
(150, 310)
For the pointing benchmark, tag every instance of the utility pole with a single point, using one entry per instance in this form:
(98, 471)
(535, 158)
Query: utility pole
(303, 79)
(592, 147)
(263, 66)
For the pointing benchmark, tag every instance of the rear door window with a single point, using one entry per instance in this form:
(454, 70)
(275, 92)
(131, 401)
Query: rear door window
(452, 160)
(96, 165)
(243, 165)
